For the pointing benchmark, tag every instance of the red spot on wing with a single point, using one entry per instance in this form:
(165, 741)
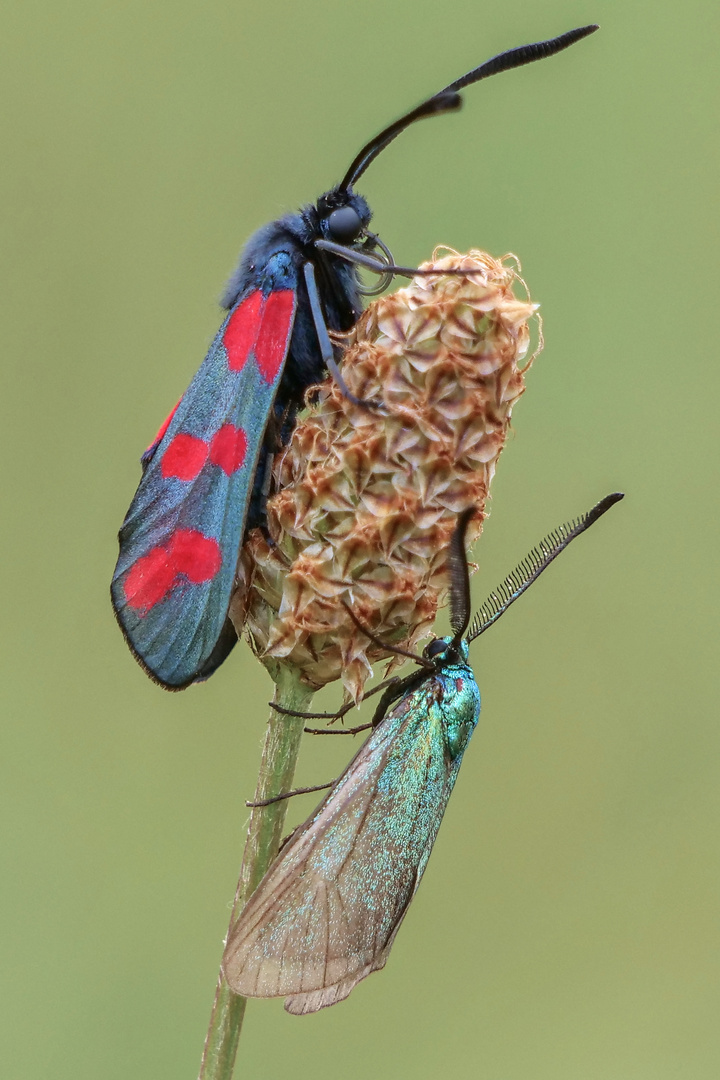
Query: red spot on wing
(195, 555)
(184, 457)
(147, 455)
(459, 683)
(242, 330)
(228, 448)
(188, 554)
(149, 580)
(273, 340)
(163, 429)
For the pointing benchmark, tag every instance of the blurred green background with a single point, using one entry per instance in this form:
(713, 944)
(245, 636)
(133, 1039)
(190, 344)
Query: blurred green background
(567, 926)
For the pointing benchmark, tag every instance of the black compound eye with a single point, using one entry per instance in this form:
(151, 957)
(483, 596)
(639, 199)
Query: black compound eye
(435, 648)
(344, 225)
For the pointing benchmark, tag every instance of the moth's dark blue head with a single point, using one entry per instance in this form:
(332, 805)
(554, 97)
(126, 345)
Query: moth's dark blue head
(439, 651)
(342, 216)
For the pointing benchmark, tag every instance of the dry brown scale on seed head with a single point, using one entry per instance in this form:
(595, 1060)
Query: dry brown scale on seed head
(367, 499)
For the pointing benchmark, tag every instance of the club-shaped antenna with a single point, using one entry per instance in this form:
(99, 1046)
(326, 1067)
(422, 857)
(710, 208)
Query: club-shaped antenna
(532, 566)
(448, 100)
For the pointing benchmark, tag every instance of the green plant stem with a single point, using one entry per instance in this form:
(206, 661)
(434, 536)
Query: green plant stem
(277, 767)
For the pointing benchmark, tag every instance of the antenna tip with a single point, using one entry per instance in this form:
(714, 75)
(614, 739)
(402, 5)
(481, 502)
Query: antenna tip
(573, 36)
(604, 505)
(465, 516)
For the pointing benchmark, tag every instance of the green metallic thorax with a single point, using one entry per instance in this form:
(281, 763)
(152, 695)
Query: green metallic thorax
(458, 703)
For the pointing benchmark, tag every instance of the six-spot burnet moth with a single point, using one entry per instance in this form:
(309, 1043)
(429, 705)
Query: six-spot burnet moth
(205, 476)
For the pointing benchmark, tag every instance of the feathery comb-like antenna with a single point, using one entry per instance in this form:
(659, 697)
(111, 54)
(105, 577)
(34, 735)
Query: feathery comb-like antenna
(529, 570)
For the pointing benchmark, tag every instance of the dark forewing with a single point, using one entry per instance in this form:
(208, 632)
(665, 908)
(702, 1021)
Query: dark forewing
(326, 913)
(180, 540)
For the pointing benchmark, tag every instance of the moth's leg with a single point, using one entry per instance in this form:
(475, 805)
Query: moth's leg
(394, 689)
(313, 715)
(326, 346)
(379, 266)
(421, 660)
(272, 444)
(344, 709)
(290, 794)
(264, 469)
(337, 731)
(273, 438)
(389, 698)
(391, 689)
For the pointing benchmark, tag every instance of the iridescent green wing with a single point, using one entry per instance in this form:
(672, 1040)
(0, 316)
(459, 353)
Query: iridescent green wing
(326, 913)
